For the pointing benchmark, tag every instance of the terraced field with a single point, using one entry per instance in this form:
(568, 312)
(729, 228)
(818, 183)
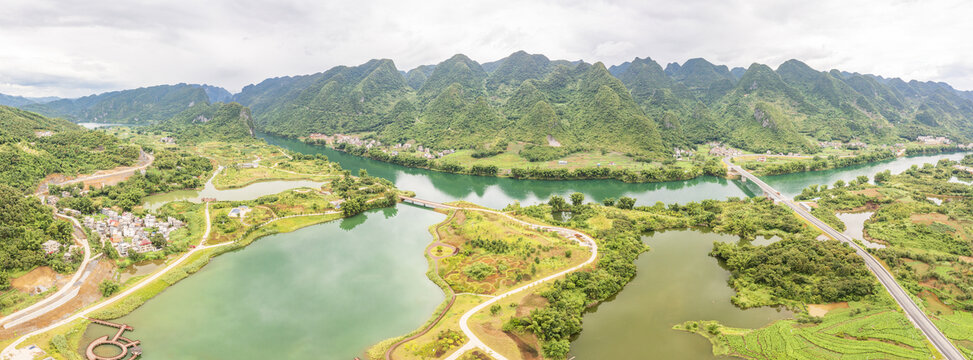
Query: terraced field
(859, 332)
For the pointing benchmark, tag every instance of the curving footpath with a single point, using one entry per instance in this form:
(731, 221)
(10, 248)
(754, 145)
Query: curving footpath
(10, 351)
(475, 342)
(912, 311)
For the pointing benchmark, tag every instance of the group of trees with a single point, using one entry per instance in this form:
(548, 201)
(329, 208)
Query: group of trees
(24, 161)
(24, 225)
(172, 170)
(799, 269)
(536, 153)
(819, 163)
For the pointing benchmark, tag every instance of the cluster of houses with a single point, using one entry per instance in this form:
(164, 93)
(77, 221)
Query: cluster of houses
(53, 199)
(425, 152)
(345, 139)
(128, 232)
(53, 247)
(839, 145)
(718, 149)
(934, 140)
(680, 153)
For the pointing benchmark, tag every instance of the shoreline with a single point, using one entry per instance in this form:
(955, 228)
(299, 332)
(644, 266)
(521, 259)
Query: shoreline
(510, 173)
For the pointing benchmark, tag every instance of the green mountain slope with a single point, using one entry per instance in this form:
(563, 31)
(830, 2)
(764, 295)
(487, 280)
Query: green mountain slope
(211, 122)
(637, 107)
(137, 106)
(342, 99)
(33, 146)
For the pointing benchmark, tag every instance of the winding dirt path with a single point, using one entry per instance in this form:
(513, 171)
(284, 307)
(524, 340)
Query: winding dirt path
(474, 342)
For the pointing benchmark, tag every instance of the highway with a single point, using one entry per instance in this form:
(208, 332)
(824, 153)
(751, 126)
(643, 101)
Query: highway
(912, 311)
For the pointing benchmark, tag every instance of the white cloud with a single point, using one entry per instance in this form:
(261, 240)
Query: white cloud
(76, 48)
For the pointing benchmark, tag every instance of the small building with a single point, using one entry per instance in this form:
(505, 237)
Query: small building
(562, 162)
(240, 211)
(51, 246)
(337, 203)
(167, 140)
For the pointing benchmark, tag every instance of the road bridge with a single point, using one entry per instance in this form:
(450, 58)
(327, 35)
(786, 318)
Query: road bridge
(912, 311)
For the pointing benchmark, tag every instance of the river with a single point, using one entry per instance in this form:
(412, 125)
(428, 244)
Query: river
(330, 290)
(498, 192)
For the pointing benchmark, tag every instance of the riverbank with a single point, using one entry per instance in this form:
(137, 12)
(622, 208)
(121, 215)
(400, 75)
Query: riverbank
(625, 171)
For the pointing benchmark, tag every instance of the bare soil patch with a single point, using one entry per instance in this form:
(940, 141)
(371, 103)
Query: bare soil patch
(43, 277)
(89, 293)
(820, 310)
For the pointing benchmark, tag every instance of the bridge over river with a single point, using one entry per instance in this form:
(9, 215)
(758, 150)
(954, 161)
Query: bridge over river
(912, 311)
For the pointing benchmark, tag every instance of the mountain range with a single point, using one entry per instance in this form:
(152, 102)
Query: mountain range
(638, 107)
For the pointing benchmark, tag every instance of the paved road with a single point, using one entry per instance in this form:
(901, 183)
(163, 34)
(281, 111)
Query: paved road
(912, 310)
(475, 342)
(11, 352)
(69, 291)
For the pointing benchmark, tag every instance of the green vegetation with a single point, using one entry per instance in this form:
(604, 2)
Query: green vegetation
(135, 106)
(210, 122)
(866, 330)
(799, 270)
(495, 253)
(172, 170)
(618, 230)
(32, 147)
(637, 107)
(777, 166)
(24, 225)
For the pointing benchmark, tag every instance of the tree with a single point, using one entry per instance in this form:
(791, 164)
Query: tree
(495, 309)
(608, 202)
(577, 199)
(626, 202)
(158, 241)
(883, 176)
(136, 256)
(108, 287)
(557, 203)
(556, 349)
(353, 206)
(839, 184)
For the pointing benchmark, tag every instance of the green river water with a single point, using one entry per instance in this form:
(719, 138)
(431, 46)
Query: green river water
(330, 290)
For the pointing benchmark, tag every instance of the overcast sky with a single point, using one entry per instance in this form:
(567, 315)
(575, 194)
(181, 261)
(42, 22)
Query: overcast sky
(74, 48)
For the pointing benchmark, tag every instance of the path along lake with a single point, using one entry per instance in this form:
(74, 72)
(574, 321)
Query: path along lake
(330, 290)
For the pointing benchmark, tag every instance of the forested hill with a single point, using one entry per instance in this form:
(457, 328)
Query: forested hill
(210, 122)
(639, 107)
(136, 106)
(33, 146)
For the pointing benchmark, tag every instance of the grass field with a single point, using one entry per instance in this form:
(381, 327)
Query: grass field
(509, 254)
(861, 331)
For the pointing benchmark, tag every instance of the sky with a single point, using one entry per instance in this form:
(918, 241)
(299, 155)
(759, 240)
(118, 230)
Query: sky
(76, 48)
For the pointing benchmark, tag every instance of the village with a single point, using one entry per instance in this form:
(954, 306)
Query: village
(130, 233)
(393, 150)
